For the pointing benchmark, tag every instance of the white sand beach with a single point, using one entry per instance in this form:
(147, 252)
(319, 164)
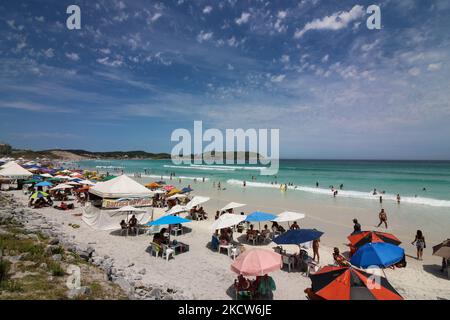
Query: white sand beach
(204, 274)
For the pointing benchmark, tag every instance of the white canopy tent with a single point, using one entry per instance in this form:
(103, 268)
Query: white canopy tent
(14, 171)
(120, 187)
(232, 205)
(101, 219)
(197, 200)
(287, 216)
(7, 164)
(228, 220)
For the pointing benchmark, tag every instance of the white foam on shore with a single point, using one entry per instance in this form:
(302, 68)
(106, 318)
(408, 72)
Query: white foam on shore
(175, 178)
(347, 193)
(199, 167)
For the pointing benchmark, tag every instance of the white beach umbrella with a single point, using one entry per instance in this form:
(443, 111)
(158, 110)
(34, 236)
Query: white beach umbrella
(228, 220)
(176, 209)
(86, 182)
(62, 186)
(232, 205)
(197, 200)
(130, 209)
(177, 196)
(46, 175)
(287, 216)
(73, 183)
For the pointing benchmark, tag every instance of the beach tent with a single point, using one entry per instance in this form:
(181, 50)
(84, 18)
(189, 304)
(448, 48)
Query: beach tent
(14, 171)
(227, 220)
(257, 262)
(103, 219)
(360, 239)
(6, 165)
(377, 254)
(197, 200)
(348, 283)
(298, 236)
(120, 187)
(287, 216)
(232, 205)
(167, 220)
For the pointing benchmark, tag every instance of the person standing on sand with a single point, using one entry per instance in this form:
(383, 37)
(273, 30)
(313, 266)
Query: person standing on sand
(381, 199)
(420, 244)
(383, 218)
(315, 246)
(398, 198)
(317, 184)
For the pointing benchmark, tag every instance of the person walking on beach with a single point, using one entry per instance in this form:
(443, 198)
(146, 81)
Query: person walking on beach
(356, 227)
(383, 218)
(381, 199)
(420, 244)
(398, 198)
(315, 246)
(317, 184)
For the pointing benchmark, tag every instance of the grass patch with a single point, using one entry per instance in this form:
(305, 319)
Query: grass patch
(56, 269)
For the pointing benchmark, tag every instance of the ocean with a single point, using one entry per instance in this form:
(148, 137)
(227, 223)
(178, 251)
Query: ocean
(418, 182)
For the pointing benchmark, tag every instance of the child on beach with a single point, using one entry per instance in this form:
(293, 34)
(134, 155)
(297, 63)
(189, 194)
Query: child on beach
(420, 244)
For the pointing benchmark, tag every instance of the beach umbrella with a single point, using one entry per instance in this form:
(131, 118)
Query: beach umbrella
(360, 239)
(31, 181)
(152, 185)
(287, 216)
(298, 236)
(129, 210)
(186, 190)
(442, 249)
(173, 191)
(348, 283)
(161, 182)
(177, 196)
(108, 178)
(257, 262)
(62, 186)
(197, 200)
(38, 195)
(46, 175)
(227, 220)
(377, 254)
(176, 209)
(168, 187)
(259, 216)
(166, 220)
(43, 184)
(86, 182)
(232, 205)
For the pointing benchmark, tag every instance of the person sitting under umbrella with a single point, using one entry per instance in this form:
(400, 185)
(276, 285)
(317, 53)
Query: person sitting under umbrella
(339, 258)
(251, 232)
(295, 226)
(133, 223)
(265, 286)
(243, 287)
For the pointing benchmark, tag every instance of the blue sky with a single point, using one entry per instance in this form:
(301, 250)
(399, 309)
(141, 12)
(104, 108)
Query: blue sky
(137, 70)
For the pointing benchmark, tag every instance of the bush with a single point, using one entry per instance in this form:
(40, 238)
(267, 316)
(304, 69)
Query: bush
(56, 269)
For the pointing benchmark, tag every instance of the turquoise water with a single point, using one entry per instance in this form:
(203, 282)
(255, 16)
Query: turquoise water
(359, 178)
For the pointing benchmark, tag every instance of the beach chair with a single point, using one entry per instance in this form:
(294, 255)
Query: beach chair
(167, 253)
(289, 260)
(176, 230)
(227, 247)
(155, 249)
(252, 238)
(124, 231)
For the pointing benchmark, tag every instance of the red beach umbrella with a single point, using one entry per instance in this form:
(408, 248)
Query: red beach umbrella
(360, 239)
(348, 283)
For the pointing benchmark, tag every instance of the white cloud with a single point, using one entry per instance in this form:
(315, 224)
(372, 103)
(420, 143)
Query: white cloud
(111, 63)
(73, 56)
(336, 21)
(156, 16)
(243, 18)
(207, 9)
(285, 58)
(204, 36)
(434, 66)
(414, 71)
(278, 78)
(105, 51)
(325, 58)
(230, 67)
(282, 14)
(40, 19)
(49, 53)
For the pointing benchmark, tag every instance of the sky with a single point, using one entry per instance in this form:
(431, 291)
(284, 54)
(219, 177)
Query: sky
(137, 70)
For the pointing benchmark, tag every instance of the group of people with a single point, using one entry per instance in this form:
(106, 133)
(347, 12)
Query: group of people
(261, 287)
(131, 226)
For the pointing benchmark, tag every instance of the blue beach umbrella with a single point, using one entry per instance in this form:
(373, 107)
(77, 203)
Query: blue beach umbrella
(166, 220)
(43, 184)
(259, 216)
(379, 254)
(298, 236)
(186, 190)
